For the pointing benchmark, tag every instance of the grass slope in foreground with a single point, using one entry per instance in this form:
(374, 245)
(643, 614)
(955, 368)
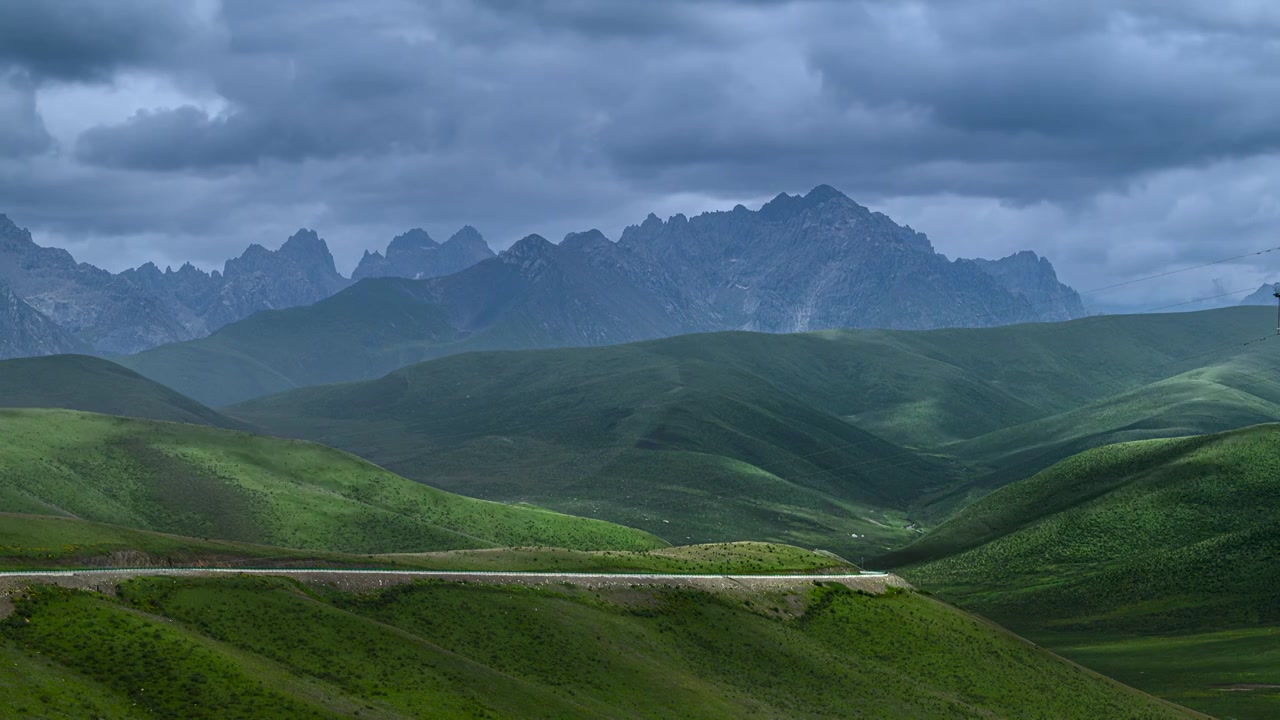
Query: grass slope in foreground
(36, 542)
(80, 382)
(211, 483)
(241, 647)
(1155, 561)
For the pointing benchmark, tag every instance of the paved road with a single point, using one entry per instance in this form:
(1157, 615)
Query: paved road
(545, 576)
(104, 579)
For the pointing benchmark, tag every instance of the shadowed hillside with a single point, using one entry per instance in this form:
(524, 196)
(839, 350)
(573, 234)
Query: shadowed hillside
(80, 382)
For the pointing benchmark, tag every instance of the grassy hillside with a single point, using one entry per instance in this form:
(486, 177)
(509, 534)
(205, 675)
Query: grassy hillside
(838, 439)
(211, 483)
(1175, 538)
(665, 441)
(41, 541)
(270, 648)
(80, 382)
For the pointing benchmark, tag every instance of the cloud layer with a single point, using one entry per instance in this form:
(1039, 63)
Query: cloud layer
(1121, 138)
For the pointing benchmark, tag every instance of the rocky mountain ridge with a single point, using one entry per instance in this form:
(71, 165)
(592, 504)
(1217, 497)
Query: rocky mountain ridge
(799, 263)
(416, 256)
(25, 332)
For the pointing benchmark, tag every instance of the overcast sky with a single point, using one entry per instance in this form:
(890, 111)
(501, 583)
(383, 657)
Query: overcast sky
(1118, 137)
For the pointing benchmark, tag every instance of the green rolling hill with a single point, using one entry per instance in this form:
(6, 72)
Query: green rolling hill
(80, 382)
(1157, 562)
(653, 436)
(211, 483)
(269, 648)
(838, 439)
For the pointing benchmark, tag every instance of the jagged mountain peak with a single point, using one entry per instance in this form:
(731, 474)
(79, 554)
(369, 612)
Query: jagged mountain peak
(586, 240)
(528, 246)
(784, 206)
(467, 235)
(307, 245)
(11, 231)
(414, 254)
(414, 239)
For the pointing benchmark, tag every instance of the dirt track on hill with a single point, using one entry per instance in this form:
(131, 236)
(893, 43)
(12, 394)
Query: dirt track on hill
(106, 580)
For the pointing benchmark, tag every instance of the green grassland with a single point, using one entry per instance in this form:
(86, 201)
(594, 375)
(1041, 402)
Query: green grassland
(80, 382)
(683, 448)
(751, 558)
(1123, 554)
(210, 483)
(259, 647)
(848, 440)
(35, 541)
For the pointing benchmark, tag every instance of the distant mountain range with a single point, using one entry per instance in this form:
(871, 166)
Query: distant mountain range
(140, 308)
(799, 263)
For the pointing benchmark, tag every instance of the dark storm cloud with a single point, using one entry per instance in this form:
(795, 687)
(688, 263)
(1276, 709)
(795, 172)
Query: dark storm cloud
(89, 40)
(1074, 126)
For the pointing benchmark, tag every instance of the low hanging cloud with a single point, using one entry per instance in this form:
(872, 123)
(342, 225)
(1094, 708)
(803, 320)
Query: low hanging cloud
(1119, 138)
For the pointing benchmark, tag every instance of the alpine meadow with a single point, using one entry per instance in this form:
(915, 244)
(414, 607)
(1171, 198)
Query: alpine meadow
(785, 360)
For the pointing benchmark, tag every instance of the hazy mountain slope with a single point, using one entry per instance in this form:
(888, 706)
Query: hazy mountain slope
(205, 482)
(25, 332)
(1030, 276)
(1265, 295)
(1175, 537)
(369, 329)
(799, 263)
(261, 647)
(300, 272)
(79, 382)
(535, 294)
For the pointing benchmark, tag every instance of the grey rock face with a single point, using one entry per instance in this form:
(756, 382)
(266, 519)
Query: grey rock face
(415, 255)
(103, 310)
(24, 332)
(299, 273)
(822, 261)
(1030, 276)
